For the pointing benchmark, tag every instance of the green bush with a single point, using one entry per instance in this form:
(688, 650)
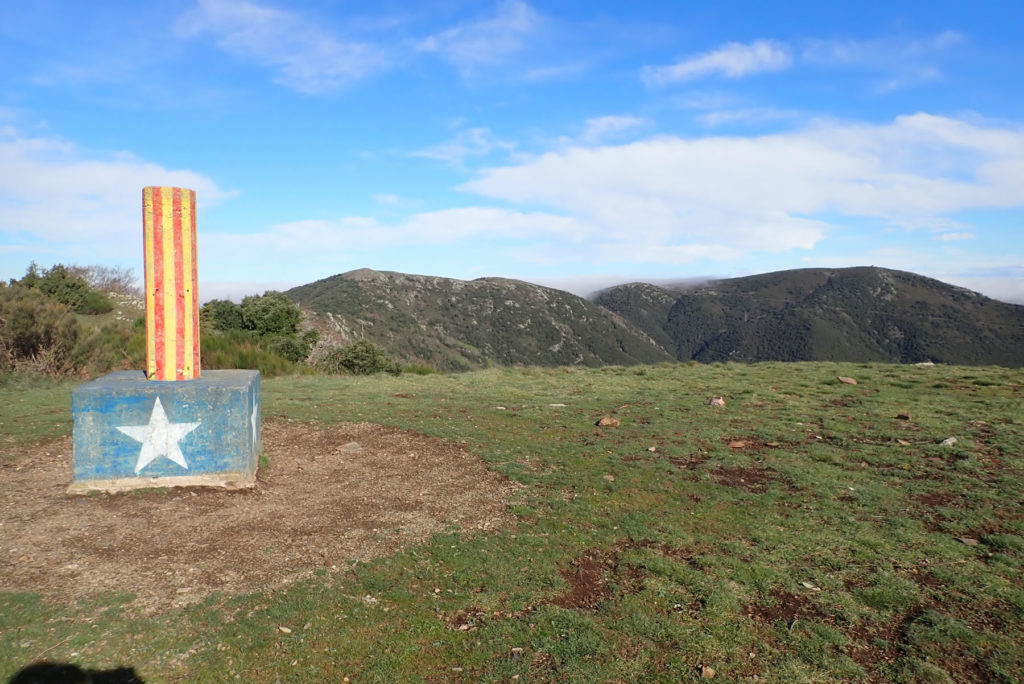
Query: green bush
(222, 314)
(241, 349)
(271, 314)
(359, 358)
(419, 369)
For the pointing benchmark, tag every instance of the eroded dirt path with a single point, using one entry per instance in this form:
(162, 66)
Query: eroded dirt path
(331, 495)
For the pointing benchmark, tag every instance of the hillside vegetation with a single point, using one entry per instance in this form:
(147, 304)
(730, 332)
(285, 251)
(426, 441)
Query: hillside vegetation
(457, 325)
(847, 314)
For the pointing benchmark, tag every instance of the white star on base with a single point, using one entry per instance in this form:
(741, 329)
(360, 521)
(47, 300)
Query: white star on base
(159, 438)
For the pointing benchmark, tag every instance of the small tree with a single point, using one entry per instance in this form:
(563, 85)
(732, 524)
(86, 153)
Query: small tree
(222, 314)
(61, 284)
(271, 314)
(360, 358)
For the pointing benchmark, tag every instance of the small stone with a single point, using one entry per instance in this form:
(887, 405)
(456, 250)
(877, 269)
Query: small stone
(924, 364)
(607, 421)
(284, 630)
(707, 672)
(652, 449)
(716, 401)
(737, 444)
(556, 405)
(500, 408)
(351, 447)
(949, 441)
(847, 381)
(903, 442)
(609, 478)
(902, 416)
(967, 540)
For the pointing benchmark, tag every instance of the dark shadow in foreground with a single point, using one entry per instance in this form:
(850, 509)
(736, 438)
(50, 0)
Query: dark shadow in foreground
(65, 673)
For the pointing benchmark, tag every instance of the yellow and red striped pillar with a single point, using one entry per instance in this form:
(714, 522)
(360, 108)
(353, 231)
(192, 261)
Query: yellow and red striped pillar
(172, 298)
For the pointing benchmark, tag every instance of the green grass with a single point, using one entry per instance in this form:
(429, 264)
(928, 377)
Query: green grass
(824, 549)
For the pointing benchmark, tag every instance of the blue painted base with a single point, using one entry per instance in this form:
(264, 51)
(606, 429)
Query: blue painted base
(131, 432)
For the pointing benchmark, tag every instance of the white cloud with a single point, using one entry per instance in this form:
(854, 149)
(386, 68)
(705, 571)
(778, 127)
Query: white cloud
(52, 191)
(599, 129)
(385, 198)
(466, 144)
(732, 60)
(956, 236)
(747, 116)
(303, 56)
(485, 42)
(720, 197)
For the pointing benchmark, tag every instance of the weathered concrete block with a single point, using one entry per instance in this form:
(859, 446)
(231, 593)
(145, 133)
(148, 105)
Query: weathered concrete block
(131, 432)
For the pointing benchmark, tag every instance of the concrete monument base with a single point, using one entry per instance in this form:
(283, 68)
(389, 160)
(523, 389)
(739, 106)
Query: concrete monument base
(133, 433)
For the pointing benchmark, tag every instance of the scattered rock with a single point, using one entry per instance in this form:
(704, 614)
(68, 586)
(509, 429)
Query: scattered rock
(924, 364)
(556, 405)
(903, 442)
(609, 478)
(607, 421)
(284, 630)
(949, 441)
(808, 585)
(737, 445)
(716, 401)
(500, 408)
(351, 447)
(847, 381)
(902, 416)
(970, 541)
(707, 672)
(652, 449)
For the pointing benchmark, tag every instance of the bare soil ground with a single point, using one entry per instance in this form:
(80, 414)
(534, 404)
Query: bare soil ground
(330, 496)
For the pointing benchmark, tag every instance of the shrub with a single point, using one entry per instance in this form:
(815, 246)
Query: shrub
(359, 358)
(271, 314)
(61, 284)
(35, 330)
(419, 369)
(241, 349)
(222, 314)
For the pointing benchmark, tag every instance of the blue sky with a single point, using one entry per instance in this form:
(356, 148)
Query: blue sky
(571, 144)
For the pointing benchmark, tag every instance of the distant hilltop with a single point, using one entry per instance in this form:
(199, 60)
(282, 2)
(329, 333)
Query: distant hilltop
(847, 314)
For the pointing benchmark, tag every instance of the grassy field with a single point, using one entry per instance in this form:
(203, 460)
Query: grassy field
(803, 532)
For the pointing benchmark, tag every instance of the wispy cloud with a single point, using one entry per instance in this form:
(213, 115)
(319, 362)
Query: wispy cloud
(485, 42)
(732, 60)
(466, 144)
(903, 61)
(955, 236)
(602, 128)
(303, 56)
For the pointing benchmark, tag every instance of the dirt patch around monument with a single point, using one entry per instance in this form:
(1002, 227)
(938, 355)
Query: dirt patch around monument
(331, 495)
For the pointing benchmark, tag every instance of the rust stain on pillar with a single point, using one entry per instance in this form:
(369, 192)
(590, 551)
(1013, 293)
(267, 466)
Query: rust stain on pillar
(172, 295)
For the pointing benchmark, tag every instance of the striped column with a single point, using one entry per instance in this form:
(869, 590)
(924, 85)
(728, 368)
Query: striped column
(172, 298)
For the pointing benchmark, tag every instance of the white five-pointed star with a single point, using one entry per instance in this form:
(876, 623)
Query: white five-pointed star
(159, 438)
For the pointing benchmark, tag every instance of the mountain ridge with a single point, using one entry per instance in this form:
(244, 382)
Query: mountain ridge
(861, 313)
